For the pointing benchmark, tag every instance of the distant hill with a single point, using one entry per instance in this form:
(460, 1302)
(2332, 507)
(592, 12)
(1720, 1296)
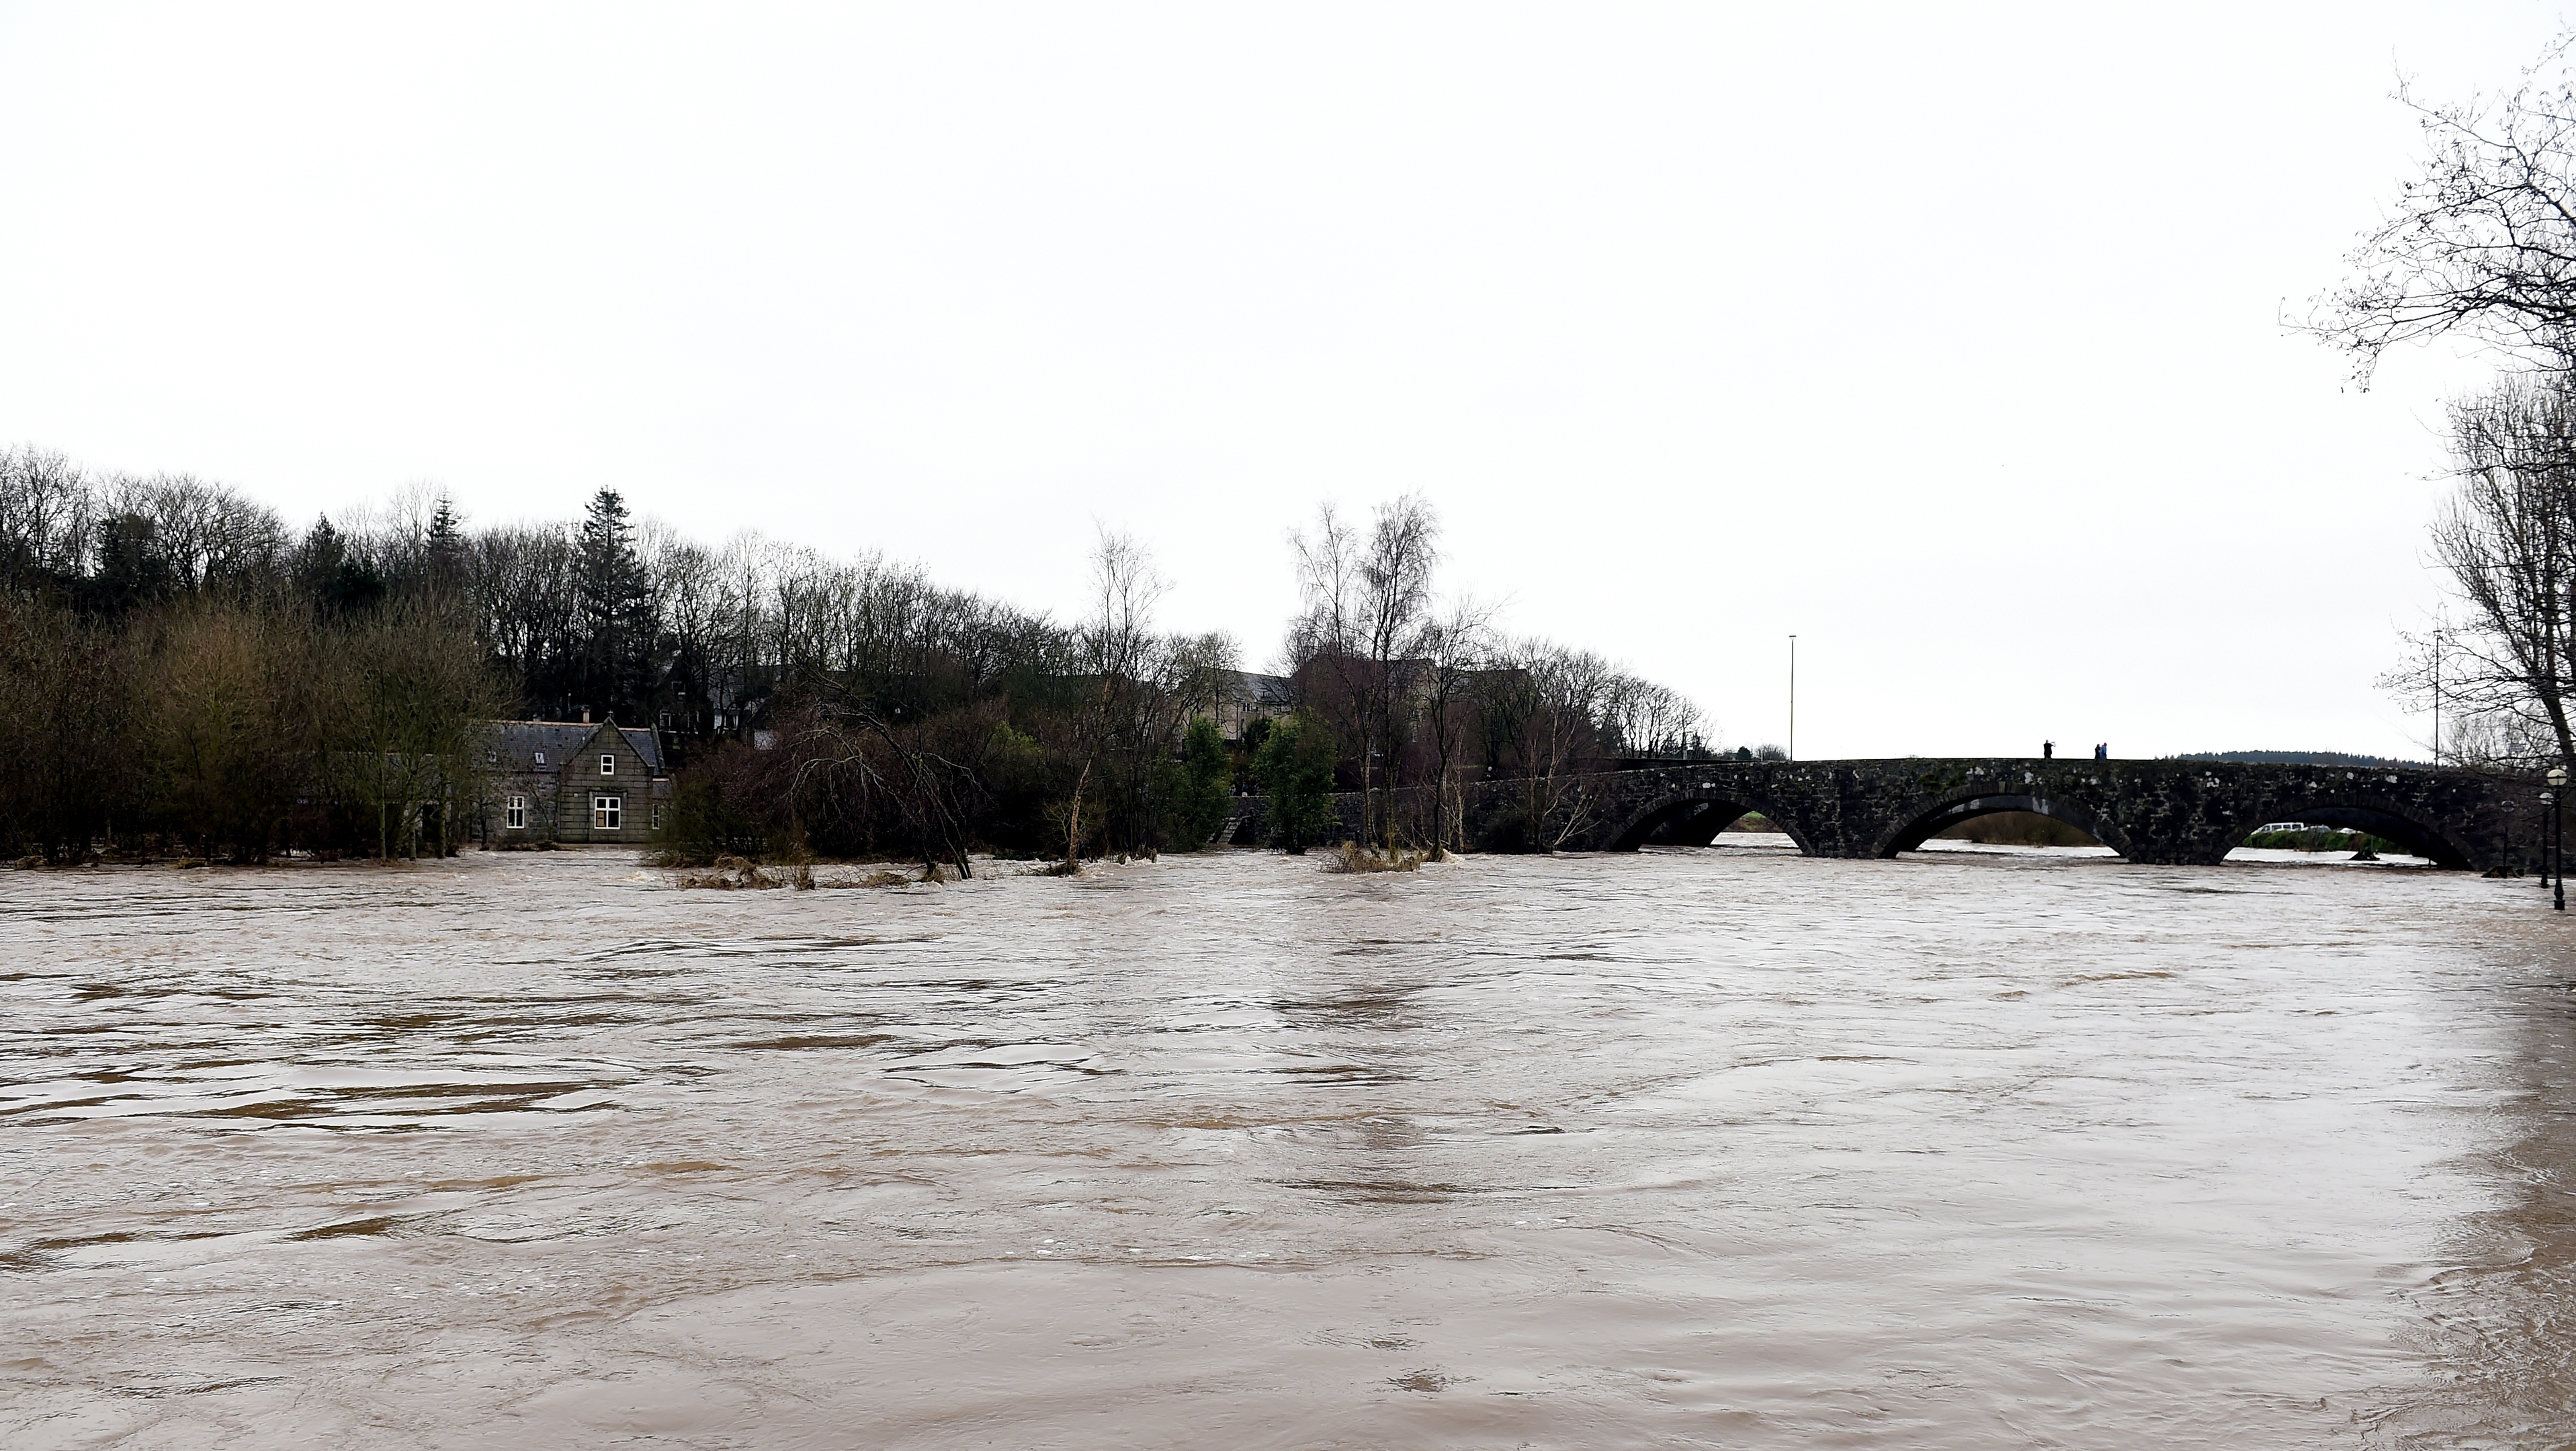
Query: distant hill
(2294, 758)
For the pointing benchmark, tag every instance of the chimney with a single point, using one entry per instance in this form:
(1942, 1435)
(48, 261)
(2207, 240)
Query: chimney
(585, 715)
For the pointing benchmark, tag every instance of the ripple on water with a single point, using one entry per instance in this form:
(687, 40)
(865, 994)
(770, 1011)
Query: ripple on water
(1688, 1146)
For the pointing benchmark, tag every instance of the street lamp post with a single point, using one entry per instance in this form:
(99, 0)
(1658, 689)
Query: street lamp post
(2437, 697)
(2557, 799)
(2547, 798)
(1793, 697)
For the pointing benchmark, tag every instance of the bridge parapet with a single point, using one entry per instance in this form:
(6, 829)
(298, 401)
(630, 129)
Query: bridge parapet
(2169, 811)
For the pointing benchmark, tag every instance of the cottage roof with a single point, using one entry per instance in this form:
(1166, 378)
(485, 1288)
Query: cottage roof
(518, 743)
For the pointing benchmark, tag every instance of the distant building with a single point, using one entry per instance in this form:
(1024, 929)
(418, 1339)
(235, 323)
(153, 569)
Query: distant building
(576, 783)
(1249, 697)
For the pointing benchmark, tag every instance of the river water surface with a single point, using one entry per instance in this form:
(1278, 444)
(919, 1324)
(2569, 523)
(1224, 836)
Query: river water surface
(1722, 1147)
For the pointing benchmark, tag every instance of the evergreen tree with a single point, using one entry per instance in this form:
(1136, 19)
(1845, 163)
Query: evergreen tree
(445, 564)
(616, 611)
(1295, 765)
(337, 581)
(1197, 791)
(132, 570)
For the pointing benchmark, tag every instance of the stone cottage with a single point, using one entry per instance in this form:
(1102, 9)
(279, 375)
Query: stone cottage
(576, 783)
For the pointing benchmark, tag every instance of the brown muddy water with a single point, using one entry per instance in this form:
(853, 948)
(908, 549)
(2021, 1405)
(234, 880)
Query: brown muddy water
(1693, 1148)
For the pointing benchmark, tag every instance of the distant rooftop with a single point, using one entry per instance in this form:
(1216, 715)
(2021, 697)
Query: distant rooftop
(1260, 689)
(519, 743)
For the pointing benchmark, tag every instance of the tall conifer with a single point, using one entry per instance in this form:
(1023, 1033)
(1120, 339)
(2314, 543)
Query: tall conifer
(616, 610)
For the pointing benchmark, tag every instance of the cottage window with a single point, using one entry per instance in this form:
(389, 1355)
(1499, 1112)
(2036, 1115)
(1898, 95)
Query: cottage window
(657, 816)
(541, 758)
(608, 813)
(607, 765)
(517, 815)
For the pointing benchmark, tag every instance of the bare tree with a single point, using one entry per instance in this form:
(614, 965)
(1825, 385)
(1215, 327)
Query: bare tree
(1367, 623)
(2507, 537)
(2483, 241)
(854, 748)
(47, 511)
(688, 599)
(1115, 646)
(1541, 707)
(1642, 718)
(1403, 549)
(220, 701)
(1202, 669)
(207, 535)
(1456, 646)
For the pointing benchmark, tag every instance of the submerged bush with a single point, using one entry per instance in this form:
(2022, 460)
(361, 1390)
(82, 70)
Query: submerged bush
(1356, 858)
(736, 874)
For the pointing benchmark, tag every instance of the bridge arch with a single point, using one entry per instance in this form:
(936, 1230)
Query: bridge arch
(1924, 823)
(2358, 811)
(1723, 808)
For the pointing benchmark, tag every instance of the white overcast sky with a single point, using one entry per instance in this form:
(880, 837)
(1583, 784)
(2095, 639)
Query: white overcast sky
(1945, 337)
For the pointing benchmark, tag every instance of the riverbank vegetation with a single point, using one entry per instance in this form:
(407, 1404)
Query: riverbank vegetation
(186, 674)
(180, 677)
(1108, 736)
(2019, 828)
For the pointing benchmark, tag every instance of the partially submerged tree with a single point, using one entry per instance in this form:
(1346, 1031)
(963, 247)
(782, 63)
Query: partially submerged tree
(857, 753)
(1116, 644)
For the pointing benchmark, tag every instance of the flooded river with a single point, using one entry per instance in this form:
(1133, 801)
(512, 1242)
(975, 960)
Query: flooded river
(1721, 1147)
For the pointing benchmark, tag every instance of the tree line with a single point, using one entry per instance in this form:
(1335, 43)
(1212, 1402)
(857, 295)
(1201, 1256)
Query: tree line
(1107, 734)
(178, 675)
(1424, 692)
(186, 673)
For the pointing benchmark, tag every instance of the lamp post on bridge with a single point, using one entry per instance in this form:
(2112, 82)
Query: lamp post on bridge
(1793, 697)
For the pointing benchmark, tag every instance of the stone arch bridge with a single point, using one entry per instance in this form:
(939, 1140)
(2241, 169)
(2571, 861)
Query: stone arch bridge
(2169, 811)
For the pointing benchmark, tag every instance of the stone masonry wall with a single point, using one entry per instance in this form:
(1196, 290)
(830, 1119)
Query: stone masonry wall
(2149, 811)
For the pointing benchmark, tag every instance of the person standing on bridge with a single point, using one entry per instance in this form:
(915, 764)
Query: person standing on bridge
(2048, 750)
(2102, 752)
